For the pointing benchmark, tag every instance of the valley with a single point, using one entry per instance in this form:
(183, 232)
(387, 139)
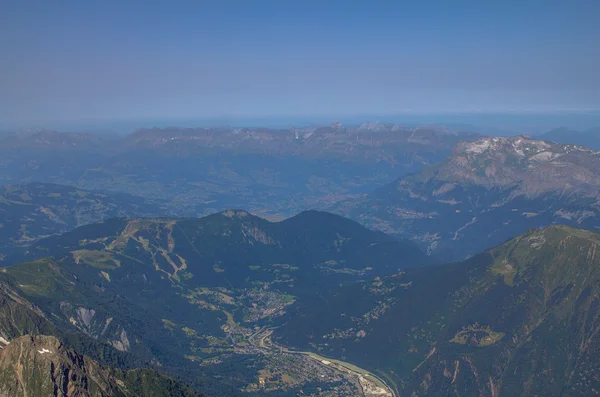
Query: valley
(392, 178)
(543, 285)
(299, 199)
(290, 365)
(274, 173)
(317, 304)
(230, 277)
(247, 325)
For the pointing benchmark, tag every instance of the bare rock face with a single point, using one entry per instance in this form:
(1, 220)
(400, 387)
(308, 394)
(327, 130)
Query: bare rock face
(42, 366)
(536, 166)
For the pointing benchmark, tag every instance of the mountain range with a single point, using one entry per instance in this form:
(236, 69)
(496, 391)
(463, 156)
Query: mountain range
(187, 296)
(386, 142)
(198, 171)
(229, 301)
(108, 293)
(33, 211)
(521, 319)
(487, 191)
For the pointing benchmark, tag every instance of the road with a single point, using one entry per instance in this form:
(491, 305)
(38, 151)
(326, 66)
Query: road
(261, 339)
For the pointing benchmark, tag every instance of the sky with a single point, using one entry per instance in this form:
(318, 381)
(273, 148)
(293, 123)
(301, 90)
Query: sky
(126, 60)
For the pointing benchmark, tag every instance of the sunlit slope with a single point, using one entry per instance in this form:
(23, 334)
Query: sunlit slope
(486, 192)
(187, 294)
(43, 366)
(30, 212)
(521, 319)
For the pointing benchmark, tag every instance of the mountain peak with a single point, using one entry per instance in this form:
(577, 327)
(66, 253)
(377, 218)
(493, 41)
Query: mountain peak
(566, 234)
(337, 125)
(486, 192)
(235, 213)
(538, 166)
(559, 255)
(522, 146)
(378, 126)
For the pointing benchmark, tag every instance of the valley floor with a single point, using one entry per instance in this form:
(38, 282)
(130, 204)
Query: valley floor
(368, 384)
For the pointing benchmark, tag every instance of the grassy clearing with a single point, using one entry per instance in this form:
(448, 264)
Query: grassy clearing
(98, 259)
(478, 336)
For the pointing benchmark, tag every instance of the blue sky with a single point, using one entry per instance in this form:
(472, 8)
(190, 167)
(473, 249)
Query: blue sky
(117, 60)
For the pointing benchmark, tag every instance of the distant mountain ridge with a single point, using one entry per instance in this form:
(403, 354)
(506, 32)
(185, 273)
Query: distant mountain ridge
(33, 211)
(489, 190)
(53, 139)
(537, 166)
(385, 141)
(372, 138)
(198, 171)
(589, 138)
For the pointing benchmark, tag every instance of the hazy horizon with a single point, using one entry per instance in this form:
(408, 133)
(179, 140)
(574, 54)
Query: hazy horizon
(486, 123)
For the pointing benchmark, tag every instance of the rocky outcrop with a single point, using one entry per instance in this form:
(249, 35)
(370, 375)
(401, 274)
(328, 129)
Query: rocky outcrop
(43, 366)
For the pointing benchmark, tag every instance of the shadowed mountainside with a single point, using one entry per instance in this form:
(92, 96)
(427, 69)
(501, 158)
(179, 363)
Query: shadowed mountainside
(521, 319)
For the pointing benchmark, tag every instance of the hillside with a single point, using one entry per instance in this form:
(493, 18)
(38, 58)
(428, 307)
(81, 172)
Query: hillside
(43, 366)
(33, 211)
(39, 358)
(189, 295)
(518, 320)
(488, 191)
